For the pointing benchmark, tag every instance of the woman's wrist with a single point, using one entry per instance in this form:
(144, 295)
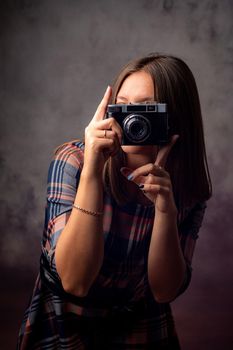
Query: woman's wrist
(91, 173)
(170, 212)
(90, 192)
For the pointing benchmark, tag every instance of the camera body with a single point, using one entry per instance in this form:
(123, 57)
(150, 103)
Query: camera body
(142, 124)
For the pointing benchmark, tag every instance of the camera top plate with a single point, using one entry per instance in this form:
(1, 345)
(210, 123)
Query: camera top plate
(137, 107)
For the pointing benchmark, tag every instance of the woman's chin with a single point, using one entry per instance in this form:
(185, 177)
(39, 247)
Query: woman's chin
(140, 149)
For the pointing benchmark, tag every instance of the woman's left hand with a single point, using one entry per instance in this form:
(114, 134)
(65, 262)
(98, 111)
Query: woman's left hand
(155, 181)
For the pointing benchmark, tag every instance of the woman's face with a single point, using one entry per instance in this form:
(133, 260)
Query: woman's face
(137, 88)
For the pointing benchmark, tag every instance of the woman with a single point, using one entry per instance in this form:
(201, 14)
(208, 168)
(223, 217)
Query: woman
(121, 222)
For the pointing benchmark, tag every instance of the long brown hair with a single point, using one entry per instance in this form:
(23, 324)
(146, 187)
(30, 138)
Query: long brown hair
(187, 163)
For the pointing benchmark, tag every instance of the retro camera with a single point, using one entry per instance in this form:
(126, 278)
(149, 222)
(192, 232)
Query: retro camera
(142, 124)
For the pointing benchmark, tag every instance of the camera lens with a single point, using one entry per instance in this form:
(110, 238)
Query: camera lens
(137, 128)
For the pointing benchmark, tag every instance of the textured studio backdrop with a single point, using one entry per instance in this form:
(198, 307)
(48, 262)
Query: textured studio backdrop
(56, 59)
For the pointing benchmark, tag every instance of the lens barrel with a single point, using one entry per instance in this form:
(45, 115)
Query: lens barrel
(137, 128)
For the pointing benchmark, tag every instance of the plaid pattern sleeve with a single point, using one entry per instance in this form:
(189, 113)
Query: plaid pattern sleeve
(63, 178)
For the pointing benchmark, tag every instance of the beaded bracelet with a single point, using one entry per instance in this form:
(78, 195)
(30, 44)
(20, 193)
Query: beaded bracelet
(89, 212)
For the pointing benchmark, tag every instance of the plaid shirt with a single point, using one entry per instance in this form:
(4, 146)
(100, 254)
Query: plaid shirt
(54, 322)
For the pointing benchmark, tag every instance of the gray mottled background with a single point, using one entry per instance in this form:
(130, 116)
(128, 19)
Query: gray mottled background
(56, 59)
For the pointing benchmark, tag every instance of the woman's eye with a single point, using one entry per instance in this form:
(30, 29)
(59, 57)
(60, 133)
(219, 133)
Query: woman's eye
(141, 102)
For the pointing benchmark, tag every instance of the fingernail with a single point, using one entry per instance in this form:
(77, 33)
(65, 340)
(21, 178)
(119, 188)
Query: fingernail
(141, 186)
(126, 172)
(108, 88)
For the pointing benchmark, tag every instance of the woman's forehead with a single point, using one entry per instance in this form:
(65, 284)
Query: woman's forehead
(137, 85)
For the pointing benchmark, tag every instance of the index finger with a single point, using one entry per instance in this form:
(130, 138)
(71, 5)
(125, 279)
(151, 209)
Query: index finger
(163, 153)
(101, 110)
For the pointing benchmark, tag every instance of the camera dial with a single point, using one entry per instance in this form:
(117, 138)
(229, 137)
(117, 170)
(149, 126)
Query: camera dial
(137, 128)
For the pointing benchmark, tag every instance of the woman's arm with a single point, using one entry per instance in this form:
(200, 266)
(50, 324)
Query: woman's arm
(166, 263)
(80, 247)
(170, 251)
(174, 244)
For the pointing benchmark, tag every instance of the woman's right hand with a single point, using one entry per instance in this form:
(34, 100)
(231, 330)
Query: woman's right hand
(102, 138)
